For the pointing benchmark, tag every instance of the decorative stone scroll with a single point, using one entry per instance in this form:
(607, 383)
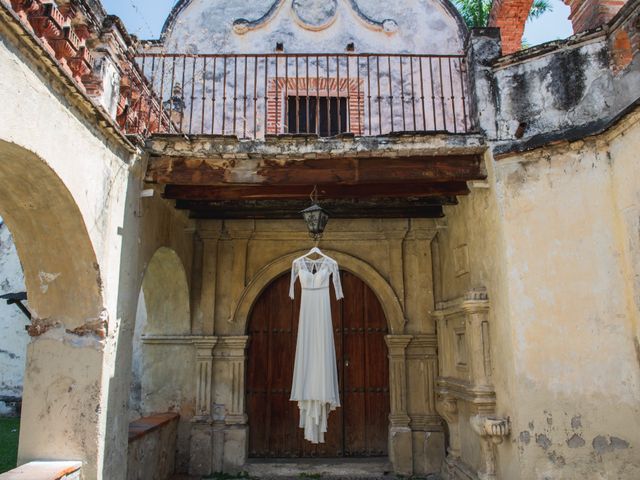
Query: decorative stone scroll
(314, 15)
(492, 431)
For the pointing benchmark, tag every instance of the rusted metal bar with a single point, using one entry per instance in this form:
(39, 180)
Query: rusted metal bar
(379, 97)
(453, 99)
(235, 93)
(160, 103)
(390, 93)
(424, 112)
(184, 68)
(286, 93)
(244, 101)
(433, 95)
(446, 85)
(413, 94)
(213, 96)
(224, 97)
(402, 97)
(338, 94)
(204, 93)
(308, 87)
(297, 98)
(193, 97)
(464, 104)
(255, 96)
(444, 114)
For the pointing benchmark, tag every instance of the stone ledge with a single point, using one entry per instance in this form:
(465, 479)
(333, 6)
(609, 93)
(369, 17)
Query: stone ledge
(45, 471)
(143, 426)
(313, 147)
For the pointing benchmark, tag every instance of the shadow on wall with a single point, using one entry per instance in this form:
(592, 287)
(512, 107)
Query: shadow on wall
(162, 364)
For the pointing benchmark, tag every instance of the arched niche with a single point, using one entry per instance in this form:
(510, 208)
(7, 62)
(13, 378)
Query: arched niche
(383, 290)
(165, 293)
(163, 358)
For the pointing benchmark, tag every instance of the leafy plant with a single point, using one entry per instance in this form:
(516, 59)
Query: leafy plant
(476, 12)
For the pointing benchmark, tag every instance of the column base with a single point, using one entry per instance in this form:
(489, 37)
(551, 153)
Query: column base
(201, 452)
(401, 450)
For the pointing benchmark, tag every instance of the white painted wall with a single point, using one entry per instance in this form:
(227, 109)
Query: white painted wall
(13, 337)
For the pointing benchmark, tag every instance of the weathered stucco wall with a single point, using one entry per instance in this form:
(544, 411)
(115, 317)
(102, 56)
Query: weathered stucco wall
(411, 26)
(13, 337)
(71, 196)
(554, 240)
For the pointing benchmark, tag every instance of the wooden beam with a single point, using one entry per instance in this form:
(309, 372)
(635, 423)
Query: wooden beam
(269, 210)
(301, 192)
(197, 171)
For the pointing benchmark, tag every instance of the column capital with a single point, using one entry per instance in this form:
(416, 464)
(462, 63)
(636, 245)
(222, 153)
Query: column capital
(476, 300)
(231, 346)
(209, 229)
(397, 344)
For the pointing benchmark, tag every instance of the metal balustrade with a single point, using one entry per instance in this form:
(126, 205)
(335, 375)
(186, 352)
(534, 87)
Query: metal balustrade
(253, 95)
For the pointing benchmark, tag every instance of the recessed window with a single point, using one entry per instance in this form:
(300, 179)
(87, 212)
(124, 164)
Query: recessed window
(317, 115)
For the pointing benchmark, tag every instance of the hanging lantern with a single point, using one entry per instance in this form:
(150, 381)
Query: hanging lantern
(316, 218)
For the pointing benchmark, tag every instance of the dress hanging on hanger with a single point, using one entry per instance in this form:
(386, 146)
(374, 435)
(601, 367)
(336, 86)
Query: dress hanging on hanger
(315, 375)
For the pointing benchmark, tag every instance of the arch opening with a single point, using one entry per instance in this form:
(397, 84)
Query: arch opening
(359, 428)
(64, 356)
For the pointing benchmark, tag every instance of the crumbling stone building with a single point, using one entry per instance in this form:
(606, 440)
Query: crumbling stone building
(485, 209)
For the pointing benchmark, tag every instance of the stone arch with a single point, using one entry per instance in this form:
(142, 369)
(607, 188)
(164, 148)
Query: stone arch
(62, 390)
(61, 272)
(383, 290)
(165, 292)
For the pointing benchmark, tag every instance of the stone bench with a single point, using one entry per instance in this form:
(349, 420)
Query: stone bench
(45, 471)
(152, 447)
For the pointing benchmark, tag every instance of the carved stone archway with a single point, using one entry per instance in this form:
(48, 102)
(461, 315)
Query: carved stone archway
(400, 442)
(377, 283)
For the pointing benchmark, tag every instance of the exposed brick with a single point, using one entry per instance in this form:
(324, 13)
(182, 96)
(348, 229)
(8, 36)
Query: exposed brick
(510, 17)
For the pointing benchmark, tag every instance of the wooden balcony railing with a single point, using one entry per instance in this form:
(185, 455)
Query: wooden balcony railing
(253, 95)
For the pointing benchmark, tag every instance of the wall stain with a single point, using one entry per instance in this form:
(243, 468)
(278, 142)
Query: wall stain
(543, 441)
(576, 441)
(603, 445)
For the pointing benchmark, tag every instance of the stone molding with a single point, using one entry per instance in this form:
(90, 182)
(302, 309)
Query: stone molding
(492, 431)
(463, 324)
(388, 299)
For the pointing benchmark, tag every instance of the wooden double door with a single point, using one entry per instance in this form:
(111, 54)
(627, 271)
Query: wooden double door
(360, 426)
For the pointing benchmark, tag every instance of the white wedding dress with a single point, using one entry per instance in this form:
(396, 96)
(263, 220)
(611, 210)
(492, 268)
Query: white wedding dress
(315, 376)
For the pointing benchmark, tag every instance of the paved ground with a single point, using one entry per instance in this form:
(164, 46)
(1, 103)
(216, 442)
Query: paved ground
(315, 469)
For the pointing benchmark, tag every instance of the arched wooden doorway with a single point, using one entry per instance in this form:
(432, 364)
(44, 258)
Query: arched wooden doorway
(360, 426)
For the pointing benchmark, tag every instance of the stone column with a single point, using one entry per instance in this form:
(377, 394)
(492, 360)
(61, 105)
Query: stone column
(210, 233)
(476, 307)
(426, 424)
(230, 360)
(201, 454)
(400, 441)
(395, 232)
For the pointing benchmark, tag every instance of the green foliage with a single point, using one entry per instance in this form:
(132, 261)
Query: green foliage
(476, 12)
(9, 432)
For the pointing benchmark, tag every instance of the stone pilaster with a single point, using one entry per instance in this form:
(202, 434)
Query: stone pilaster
(476, 307)
(400, 437)
(230, 358)
(210, 233)
(204, 377)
